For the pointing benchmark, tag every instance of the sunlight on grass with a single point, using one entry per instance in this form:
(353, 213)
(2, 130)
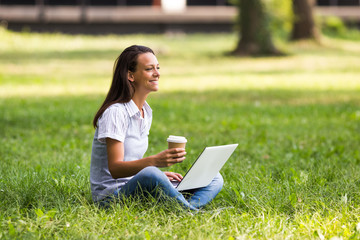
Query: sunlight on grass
(56, 64)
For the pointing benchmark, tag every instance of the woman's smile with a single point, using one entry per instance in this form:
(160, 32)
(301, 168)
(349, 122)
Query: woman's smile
(156, 81)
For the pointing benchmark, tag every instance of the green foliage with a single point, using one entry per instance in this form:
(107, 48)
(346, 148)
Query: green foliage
(296, 119)
(335, 27)
(279, 14)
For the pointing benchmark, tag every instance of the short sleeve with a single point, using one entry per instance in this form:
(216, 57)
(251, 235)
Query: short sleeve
(113, 124)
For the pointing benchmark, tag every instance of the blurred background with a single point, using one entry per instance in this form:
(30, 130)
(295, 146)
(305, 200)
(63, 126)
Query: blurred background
(143, 16)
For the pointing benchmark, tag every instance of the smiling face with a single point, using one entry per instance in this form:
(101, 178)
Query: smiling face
(146, 76)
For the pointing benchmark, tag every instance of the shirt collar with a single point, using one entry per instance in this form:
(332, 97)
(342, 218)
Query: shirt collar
(132, 109)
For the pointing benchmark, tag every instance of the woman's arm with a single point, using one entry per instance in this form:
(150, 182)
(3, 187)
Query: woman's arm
(119, 168)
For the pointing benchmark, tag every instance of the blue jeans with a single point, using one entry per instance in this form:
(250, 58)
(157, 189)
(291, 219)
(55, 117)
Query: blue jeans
(152, 180)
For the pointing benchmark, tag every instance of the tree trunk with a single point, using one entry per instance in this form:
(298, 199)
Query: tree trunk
(255, 36)
(304, 24)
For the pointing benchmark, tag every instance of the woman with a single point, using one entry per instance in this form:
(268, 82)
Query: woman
(118, 168)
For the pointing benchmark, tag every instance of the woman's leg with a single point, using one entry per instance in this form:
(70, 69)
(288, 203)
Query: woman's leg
(155, 182)
(201, 196)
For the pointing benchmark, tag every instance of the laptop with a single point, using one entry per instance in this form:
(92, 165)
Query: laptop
(206, 167)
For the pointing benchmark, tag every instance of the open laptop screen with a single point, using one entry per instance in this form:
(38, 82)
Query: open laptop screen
(206, 166)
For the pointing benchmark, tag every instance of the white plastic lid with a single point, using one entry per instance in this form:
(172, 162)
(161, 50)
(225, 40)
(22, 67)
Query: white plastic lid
(176, 139)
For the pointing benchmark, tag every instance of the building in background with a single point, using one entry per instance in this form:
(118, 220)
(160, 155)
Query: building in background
(155, 2)
(139, 16)
(338, 2)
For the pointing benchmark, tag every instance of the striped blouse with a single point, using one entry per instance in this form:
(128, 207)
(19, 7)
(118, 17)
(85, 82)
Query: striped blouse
(122, 122)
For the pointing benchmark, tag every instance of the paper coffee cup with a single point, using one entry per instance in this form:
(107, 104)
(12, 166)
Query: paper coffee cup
(176, 141)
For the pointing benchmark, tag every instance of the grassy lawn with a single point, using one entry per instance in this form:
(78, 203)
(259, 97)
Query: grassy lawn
(295, 174)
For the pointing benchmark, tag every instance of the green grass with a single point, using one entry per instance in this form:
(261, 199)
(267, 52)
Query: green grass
(295, 174)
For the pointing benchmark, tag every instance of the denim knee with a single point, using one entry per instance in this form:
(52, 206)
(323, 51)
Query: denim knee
(218, 181)
(152, 174)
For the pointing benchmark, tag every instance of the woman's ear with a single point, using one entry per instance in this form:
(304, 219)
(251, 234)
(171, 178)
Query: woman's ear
(131, 76)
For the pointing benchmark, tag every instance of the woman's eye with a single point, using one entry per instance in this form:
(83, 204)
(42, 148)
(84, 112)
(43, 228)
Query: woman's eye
(149, 69)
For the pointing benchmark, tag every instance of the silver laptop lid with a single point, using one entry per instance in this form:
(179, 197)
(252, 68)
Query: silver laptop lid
(205, 168)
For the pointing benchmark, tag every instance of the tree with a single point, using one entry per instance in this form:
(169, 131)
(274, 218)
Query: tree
(304, 24)
(255, 36)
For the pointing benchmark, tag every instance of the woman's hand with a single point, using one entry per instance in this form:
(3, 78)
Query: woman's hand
(174, 176)
(120, 168)
(169, 157)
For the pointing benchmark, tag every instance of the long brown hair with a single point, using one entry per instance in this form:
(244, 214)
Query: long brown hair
(121, 89)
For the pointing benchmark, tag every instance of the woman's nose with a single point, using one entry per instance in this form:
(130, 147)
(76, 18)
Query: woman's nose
(157, 73)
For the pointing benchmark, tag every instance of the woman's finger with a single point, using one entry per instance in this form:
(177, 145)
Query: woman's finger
(176, 150)
(176, 160)
(174, 176)
(171, 176)
(179, 175)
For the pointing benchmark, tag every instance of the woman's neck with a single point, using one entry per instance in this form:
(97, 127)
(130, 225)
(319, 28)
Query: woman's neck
(139, 100)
